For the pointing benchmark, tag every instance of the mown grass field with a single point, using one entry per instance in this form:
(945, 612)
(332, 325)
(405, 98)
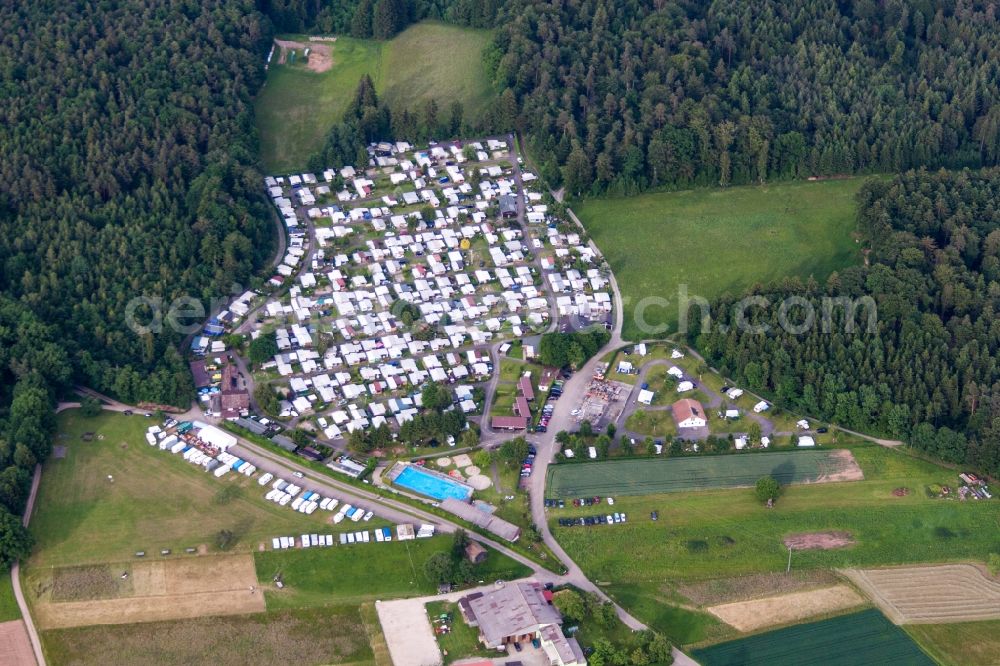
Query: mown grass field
(296, 636)
(366, 572)
(724, 533)
(720, 240)
(639, 476)
(296, 107)
(8, 604)
(860, 638)
(963, 644)
(156, 500)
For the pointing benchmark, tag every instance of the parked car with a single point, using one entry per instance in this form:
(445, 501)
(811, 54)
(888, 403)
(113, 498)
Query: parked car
(822, 430)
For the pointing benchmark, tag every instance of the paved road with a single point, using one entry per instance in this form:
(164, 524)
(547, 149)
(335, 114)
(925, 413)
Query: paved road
(15, 575)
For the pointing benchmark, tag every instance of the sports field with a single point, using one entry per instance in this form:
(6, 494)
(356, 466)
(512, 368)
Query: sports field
(667, 475)
(297, 106)
(720, 240)
(860, 638)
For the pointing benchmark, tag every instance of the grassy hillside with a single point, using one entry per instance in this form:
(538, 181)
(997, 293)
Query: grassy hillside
(436, 61)
(154, 499)
(718, 240)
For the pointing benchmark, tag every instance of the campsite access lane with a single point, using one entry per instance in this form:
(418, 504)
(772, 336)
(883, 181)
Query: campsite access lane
(325, 487)
(383, 506)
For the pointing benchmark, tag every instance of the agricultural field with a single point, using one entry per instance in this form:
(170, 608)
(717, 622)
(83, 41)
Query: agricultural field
(317, 577)
(700, 536)
(640, 476)
(720, 240)
(151, 501)
(298, 104)
(860, 638)
(335, 634)
(961, 644)
(934, 594)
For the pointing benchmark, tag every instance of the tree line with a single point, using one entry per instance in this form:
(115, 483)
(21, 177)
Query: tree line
(378, 19)
(617, 96)
(927, 371)
(128, 156)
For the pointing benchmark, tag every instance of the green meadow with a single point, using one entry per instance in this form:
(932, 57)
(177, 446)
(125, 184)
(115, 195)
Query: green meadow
(296, 107)
(714, 241)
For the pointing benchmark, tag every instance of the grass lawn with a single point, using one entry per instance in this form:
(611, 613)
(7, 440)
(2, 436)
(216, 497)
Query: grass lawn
(963, 644)
(8, 604)
(663, 613)
(717, 240)
(335, 634)
(156, 500)
(656, 423)
(462, 641)
(318, 577)
(860, 638)
(297, 107)
(702, 535)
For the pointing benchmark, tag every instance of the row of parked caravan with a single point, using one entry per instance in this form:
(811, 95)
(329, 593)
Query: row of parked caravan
(285, 493)
(219, 465)
(324, 540)
(307, 540)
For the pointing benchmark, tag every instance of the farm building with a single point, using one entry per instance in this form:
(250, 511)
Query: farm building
(689, 414)
(488, 522)
(519, 612)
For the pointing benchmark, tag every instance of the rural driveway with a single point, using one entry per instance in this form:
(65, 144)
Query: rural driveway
(15, 575)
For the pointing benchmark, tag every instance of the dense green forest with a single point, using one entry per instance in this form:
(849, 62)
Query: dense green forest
(618, 95)
(128, 161)
(128, 157)
(928, 372)
(379, 19)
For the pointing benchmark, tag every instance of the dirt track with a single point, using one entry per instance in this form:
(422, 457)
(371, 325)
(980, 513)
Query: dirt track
(759, 613)
(320, 53)
(931, 594)
(167, 590)
(818, 540)
(15, 648)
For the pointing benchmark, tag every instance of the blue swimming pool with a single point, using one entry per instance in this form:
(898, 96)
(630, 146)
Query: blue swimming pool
(433, 485)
